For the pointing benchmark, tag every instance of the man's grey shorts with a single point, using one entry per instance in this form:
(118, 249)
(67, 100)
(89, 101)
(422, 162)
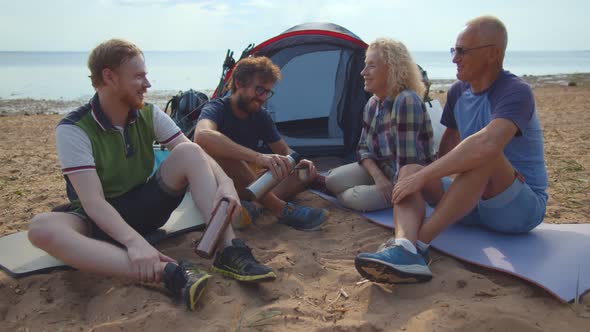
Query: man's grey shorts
(518, 209)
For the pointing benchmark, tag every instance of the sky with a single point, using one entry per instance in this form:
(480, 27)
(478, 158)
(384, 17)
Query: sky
(218, 25)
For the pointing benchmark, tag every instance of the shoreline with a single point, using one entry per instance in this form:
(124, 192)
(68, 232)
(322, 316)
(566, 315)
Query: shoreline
(32, 106)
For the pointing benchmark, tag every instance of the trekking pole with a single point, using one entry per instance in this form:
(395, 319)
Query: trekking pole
(227, 64)
(247, 51)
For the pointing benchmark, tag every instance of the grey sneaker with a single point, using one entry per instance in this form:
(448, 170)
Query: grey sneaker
(186, 281)
(303, 218)
(237, 261)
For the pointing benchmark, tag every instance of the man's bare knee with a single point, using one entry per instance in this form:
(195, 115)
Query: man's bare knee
(44, 228)
(40, 232)
(189, 151)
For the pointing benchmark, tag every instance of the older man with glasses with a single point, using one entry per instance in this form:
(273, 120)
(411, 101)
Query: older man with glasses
(493, 145)
(231, 129)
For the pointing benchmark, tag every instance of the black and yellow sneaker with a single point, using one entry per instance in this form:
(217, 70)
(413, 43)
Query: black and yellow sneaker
(236, 261)
(187, 281)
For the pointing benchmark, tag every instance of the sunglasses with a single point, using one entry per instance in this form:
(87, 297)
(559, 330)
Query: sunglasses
(262, 92)
(461, 51)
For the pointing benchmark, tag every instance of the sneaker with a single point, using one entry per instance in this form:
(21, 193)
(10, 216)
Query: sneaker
(387, 244)
(393, 265)
(425, 255)
(187, 281)
(391, 242)
(250, 212)
(236, 261)
(303, 218)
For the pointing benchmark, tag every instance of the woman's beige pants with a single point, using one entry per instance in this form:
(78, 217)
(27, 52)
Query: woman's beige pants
(354, 187)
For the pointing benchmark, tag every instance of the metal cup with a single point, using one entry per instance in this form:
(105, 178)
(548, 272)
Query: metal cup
(302, 173)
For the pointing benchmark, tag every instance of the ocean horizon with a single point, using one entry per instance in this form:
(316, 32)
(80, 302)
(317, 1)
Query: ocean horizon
(64, 75)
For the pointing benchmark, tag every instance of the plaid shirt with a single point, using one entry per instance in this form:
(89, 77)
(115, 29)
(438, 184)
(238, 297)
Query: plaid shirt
(396, 138)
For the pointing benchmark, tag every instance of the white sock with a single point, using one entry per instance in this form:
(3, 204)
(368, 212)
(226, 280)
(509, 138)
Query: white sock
(422, 246)
(406, 244)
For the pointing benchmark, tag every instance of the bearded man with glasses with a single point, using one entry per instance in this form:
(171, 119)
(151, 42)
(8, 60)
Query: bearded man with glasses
(493, 145)
(230, 130)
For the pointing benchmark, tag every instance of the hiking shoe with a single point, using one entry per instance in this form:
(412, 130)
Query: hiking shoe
(391, 242)
(393, 265)
(236, 261)
(425, 255)
(387, 244)
(248, 216)
(303, 218)
(187, 281)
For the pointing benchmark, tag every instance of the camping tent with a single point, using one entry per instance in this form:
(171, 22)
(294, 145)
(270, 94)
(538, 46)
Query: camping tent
(318, 104)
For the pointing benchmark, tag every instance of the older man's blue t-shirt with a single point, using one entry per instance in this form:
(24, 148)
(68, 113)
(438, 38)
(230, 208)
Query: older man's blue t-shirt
(509, 97)
(251, 132)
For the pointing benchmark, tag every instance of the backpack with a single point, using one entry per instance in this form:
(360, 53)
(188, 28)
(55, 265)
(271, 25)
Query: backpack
(185, 109)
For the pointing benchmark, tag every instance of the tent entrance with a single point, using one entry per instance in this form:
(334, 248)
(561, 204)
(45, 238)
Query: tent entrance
(305, 104)
(310, 128)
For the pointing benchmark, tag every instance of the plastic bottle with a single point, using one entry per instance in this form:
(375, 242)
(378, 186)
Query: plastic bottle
(266, 181)
(214, 231)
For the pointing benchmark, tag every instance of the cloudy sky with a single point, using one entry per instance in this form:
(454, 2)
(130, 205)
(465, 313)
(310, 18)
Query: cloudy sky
(193, 25)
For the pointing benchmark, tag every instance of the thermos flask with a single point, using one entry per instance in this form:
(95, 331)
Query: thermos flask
(214, 231)
(266, 182)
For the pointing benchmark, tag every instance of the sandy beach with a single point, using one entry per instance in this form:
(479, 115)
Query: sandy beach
(318, 288)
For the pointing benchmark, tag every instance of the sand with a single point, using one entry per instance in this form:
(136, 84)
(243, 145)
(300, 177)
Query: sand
(317, 288)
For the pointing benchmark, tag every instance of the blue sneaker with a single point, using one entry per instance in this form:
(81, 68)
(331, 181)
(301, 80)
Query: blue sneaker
(248, 216)
(393, 265)
(425, 255)
(391, 242)
(303, 218)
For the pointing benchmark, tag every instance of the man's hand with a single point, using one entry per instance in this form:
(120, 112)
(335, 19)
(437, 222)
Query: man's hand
(310, 166)
(277, 164)
(145, 260)
(406, 186)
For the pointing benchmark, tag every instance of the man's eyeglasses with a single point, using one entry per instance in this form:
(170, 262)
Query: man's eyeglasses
(262, 92)
(460, 51)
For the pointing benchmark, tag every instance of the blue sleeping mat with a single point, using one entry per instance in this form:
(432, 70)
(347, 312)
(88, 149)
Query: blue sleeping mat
(552, 256)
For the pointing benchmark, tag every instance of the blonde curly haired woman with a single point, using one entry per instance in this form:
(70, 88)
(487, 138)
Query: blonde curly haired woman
(396, 129)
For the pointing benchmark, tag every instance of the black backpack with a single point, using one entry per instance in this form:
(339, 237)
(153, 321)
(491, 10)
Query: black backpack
(185, 109)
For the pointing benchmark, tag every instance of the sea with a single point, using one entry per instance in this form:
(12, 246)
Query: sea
(64, 75)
